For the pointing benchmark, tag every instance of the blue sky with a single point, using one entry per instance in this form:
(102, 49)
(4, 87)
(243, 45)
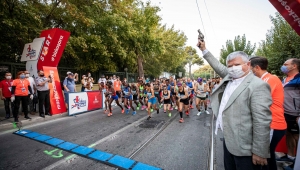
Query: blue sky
(228, 18)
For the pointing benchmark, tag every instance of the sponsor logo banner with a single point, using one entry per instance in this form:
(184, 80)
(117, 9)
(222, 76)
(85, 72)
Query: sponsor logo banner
(32, 50)
(56, 96)
(55, 42)
(290, 10)
(78, 102)
(95, 100)
(31, 66)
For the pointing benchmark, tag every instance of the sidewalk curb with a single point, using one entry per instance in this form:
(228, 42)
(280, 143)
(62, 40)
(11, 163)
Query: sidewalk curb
(33, 120)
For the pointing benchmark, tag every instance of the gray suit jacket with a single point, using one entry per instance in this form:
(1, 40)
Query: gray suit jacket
(246, 116)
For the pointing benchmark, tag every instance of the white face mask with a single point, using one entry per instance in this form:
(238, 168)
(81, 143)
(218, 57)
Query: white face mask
(27, 75)
(8, 77)
(236, 71)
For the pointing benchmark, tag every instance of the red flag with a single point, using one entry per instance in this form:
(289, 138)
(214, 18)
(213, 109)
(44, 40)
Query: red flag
(290, 10)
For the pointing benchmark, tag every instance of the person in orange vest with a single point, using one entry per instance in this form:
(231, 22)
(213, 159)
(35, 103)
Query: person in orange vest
(19, 92)
(278, 125)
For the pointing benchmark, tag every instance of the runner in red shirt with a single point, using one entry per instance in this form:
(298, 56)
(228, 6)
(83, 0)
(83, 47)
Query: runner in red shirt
(5, 94)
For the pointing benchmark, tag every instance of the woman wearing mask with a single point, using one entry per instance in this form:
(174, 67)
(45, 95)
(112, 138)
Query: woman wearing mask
(19, 92)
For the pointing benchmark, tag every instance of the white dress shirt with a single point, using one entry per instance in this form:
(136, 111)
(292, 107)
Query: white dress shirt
(230, 88)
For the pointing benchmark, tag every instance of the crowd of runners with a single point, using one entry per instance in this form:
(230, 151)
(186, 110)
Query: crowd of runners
(166, 94)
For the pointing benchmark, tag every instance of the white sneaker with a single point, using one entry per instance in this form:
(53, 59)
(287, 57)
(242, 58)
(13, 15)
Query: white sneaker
(176, 107)
(199, 113)
(207, 112)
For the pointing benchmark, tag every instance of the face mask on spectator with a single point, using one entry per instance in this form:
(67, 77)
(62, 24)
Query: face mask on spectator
(22, 76)
(284, 69)
(8, 77)
(236, 71)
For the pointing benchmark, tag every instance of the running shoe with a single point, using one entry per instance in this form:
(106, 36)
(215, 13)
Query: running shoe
(151, 110)
(199, 113)
(149, 117)
(127, 111)
(181, 120)
(187, 113)
(105, 111)
(191, 107)
(109, 114)
(164, 111)
(284, 159)
(160, 105)
(139, 105)
(122, 111)
(129, 107)
(176, 108)
(207, 112)
(147, 109)
(170, 114)
(157, 111)
(137, 108)
(134, 113)
(171, 108)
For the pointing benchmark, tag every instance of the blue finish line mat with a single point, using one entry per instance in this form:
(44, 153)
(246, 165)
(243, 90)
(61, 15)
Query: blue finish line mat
(91, 153)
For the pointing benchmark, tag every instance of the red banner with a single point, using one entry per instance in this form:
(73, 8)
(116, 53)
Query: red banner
(290, 10)
(95, 100)
(56, 96)
(54, 45)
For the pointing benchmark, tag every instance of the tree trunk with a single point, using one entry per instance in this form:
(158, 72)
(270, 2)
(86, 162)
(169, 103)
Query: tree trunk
(140, 65)
(190, 67)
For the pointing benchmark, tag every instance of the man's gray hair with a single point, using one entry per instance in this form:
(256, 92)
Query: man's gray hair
(236, 54)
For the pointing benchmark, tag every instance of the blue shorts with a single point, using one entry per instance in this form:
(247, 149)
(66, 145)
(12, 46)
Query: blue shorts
(152, 100)
(66, 97)
(128, 97)
(115, 97)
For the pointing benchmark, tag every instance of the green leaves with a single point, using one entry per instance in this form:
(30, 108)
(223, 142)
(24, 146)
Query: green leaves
(281, 43)
(239, 44)
(129, 35)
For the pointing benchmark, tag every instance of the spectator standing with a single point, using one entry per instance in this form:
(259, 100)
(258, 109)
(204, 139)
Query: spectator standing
(19, 93)
(33, 88)
(69, 86)
(5, 94)
(43, 93)
(90, 79)
(241, 104)
(88, 87)
(291, 112)
(102, 79)
(83, 82)
(259, 67)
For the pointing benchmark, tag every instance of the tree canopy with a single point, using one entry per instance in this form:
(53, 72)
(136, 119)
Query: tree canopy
(128, 34)
(238, 44)
(281, 43)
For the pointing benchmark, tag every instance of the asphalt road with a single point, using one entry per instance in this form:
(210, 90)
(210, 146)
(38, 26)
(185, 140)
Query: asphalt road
(179, 145)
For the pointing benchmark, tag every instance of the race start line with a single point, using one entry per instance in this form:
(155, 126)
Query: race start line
(90, 153)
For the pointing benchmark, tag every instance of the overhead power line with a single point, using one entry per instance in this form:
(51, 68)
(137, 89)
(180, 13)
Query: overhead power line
(201, 18)
(209, 18)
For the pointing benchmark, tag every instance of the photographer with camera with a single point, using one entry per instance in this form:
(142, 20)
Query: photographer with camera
(43, 93)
